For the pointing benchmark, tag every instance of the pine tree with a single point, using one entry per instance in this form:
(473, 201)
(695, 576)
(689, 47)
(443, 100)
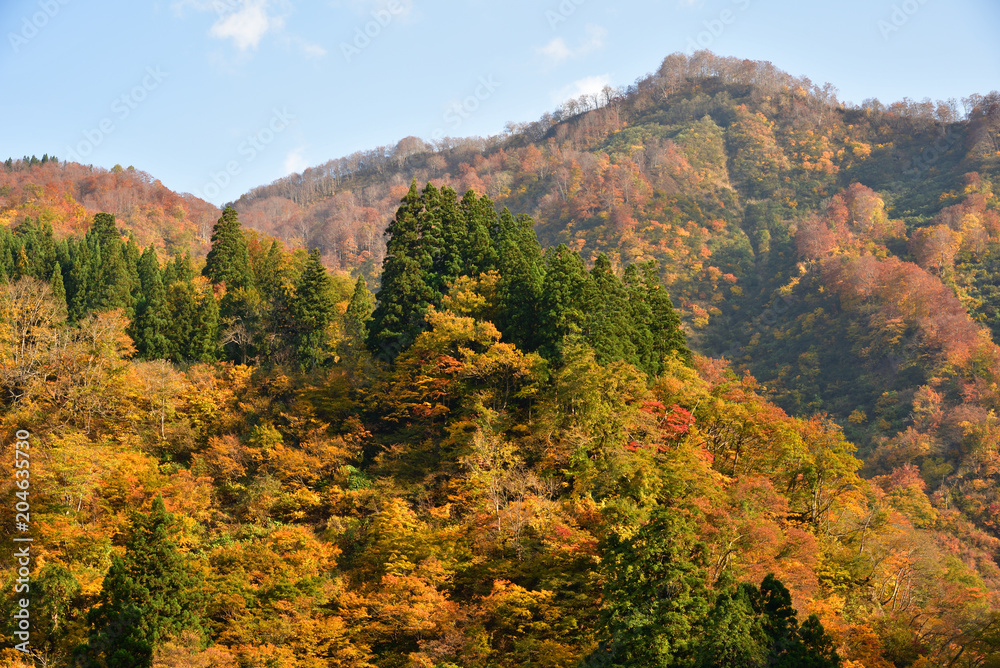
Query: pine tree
(229, 259)
(104, 229)
(610, 330)
(58, 288)
(151, 316)
(480, 220)
(519, 260)
(561, 306)
(149, 595)
(733, 635)
(205, 335)
(359, 311)
(312, 310)
(655, 598)
(665, 326)
(405, 294)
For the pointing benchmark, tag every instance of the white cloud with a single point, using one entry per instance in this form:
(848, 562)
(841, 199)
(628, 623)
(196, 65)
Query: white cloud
(558, 50)
(308, 49)
(587, 86)
(246, 22)
(295, 161)
(247, 25)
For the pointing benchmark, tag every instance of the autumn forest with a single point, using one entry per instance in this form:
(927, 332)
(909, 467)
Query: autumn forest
(697, 372)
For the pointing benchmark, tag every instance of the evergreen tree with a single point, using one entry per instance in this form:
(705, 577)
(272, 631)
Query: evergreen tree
(405, 293)
(269, 271)
(665, 326)
(640, 319)
(452, 260)
(58, 288)
(205, 339)
(7, 242)
(312, 310)
(115, 280)
(791, 646)
(733, 634)
(104, 229)
(480, 254)
(561, 307)
(519, 260)
(610, 329)
(149, 595)
(359, 311)
(655, 598)
(78, 286)
(229, 259)
(815, 648)
(180, 269)
(182, 306)
(151, 317)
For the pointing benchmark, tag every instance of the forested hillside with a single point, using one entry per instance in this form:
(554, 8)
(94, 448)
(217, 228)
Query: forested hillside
(697, 373)
(66, 196)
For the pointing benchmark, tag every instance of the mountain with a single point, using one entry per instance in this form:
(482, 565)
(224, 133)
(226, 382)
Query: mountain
(67, 195)
(767, 202)
(700, 372)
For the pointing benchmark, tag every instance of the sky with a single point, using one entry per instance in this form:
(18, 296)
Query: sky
(215, 97)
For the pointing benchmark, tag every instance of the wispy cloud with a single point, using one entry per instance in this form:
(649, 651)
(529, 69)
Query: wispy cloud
(558, 50)
(247, 25)
(246, 22)
(308, 49)
(591, 85)
(295, 161)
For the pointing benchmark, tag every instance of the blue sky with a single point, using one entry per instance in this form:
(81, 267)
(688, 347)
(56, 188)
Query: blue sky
(214, 97)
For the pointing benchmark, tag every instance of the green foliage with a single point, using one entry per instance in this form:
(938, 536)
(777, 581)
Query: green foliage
(150, 595)
(228, 261)
(407, 288)
(656, 600)
(312, 311)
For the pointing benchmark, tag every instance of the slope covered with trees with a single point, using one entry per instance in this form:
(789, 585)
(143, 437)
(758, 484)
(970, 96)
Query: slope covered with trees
(516, 452)
(473, 502)
(66, 196)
